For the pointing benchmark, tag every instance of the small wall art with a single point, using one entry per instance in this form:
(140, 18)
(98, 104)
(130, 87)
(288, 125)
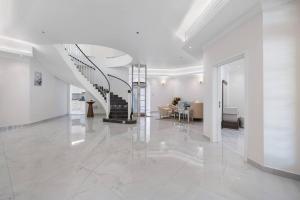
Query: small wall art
(38, 78)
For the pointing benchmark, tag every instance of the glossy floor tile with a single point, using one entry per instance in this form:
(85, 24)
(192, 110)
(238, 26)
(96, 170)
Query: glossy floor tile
(73, 158)
(234, 140)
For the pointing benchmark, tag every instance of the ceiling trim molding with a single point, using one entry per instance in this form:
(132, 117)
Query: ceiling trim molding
(15, 46)
(208, 14)
(183, 71)
(272, 4)
(255, 11)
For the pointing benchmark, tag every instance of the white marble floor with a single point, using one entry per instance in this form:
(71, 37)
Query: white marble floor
(72, 158)
(234, 140)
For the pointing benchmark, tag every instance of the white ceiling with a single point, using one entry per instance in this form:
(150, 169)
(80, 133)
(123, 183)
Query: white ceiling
(105, 56)
(110, 23)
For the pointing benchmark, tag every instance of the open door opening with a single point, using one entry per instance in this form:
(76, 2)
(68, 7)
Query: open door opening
(232, 98)
(77, 101)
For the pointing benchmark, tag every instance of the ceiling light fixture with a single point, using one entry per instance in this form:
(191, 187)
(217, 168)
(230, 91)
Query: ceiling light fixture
(163, 80)
(200, 77)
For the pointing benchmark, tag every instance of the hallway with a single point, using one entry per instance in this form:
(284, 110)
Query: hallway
(77, 158)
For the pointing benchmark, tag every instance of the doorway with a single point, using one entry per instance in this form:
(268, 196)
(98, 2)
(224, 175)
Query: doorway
(77, 101)
(232, 105)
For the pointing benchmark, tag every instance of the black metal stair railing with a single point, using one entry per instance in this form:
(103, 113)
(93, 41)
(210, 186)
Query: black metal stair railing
(95, 76)
(130, 89)
(108, 83)
(89, 70)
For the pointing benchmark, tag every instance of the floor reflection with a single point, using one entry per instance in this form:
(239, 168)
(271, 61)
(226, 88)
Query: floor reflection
(81, 159)
(234, 140)
(168, 147)
(78, 129)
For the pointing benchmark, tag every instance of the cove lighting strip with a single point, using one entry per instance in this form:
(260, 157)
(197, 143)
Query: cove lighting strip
(176, 71)
(15, 46)
(201, 12)
(17, 40)
(16, 51)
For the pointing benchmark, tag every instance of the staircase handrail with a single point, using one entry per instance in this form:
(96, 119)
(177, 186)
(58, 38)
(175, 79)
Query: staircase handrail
(94, 66)
(110, 75)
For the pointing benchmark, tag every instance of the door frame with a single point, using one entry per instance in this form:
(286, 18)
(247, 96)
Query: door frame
(218, 97)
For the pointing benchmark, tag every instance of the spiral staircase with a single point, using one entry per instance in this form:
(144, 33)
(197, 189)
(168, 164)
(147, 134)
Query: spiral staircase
(97, 83)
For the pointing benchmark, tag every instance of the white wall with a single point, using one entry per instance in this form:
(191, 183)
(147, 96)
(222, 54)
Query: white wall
(159, 94)
(51, 99)
(14, 89)
(270, 43)
(186, 87)
(282, 86)
(21, 102)
(245, 39)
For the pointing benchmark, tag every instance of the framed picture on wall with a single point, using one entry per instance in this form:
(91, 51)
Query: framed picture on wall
(38, 79)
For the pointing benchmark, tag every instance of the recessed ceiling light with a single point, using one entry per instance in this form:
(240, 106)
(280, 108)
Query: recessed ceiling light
(190, 47)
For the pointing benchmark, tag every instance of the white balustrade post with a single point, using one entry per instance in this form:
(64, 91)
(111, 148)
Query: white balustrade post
(89, 75)
(108, 104)
(129, 104)
(93, 76)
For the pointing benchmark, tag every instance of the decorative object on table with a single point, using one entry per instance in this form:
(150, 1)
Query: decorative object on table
(90, 112)
(176, 100)
(38, 78)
